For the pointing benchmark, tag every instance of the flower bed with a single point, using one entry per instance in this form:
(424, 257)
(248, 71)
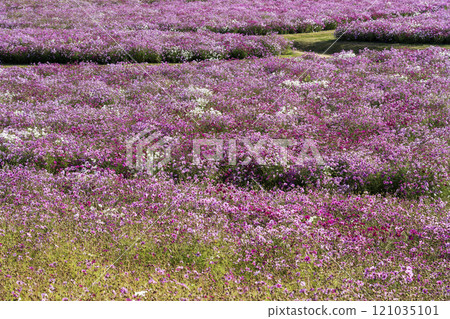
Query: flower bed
(429, 27)
(24, 46)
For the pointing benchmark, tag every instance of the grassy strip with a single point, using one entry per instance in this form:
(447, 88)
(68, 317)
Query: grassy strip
(295, 53)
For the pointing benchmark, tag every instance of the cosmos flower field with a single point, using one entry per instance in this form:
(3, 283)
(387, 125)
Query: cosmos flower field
(363, 216)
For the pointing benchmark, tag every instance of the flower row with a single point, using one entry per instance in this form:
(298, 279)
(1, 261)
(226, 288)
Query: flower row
(24, 46)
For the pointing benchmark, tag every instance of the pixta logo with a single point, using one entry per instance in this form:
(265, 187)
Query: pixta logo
(150, 151)
(254, 151)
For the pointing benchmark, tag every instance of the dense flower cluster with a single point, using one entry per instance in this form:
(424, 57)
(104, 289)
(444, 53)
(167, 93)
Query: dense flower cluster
(24, 46)
(245, 16)
(429, 27)
(212, 242)
(380, 120)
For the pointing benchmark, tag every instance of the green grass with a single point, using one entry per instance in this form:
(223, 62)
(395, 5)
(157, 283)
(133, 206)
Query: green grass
(78, 267)
(13, 65)
(320, 42)
(296, 53)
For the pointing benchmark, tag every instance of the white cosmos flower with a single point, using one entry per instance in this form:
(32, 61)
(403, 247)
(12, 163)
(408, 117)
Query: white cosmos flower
(199, 90)
(345, 55)
(290, 83)
(9, 137)
(141, 293)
